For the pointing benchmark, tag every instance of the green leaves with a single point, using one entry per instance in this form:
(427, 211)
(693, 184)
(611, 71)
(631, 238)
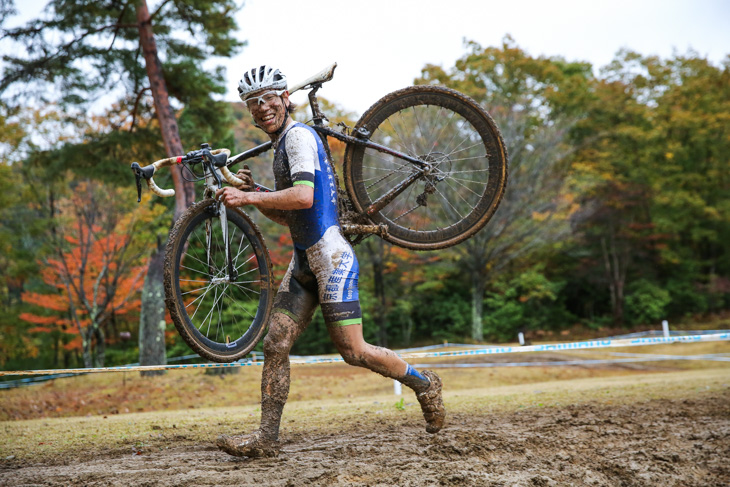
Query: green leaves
(81, 50)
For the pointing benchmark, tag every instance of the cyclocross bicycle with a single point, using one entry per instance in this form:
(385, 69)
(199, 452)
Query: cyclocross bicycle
(425, 168)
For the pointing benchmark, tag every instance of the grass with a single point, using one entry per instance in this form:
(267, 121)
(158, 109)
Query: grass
(123, 412)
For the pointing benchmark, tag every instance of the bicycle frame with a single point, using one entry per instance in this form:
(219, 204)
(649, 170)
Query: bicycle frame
(352, 222)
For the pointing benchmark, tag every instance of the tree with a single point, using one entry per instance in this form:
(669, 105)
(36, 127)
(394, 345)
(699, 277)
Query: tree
(27, 204)
(535, 102)
(85, 47)
(689, 153)
(96, 272)
(653, 163)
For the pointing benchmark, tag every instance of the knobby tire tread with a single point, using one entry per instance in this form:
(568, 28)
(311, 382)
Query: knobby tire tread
(177, 239)
(438, 96)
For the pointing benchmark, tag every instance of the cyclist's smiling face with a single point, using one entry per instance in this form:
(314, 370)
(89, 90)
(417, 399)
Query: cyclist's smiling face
(270, 114)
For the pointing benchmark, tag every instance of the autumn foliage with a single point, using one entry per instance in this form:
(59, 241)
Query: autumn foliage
(93, 277)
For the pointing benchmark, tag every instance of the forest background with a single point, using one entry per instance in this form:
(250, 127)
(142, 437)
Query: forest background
(616, 215)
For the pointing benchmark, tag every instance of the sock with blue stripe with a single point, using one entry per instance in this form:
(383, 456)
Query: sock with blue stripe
(415, 380)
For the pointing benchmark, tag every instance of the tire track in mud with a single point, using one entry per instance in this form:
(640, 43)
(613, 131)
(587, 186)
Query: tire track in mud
(654, 443)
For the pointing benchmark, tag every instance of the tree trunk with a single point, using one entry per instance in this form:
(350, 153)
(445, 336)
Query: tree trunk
(184, 190)
(56, 350)
(375, 251)
(407, 330)
(615, 268)
(378, 269)
(152, 317)
(86, 340)
(477, 305)
(100, 349)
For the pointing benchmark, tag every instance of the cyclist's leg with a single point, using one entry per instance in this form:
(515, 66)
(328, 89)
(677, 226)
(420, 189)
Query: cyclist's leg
(337, 272)
(293, 309)
(356, 351)
(427, 385)
(294, 306)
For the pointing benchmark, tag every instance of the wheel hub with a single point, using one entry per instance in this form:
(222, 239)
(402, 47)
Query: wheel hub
(439, 167)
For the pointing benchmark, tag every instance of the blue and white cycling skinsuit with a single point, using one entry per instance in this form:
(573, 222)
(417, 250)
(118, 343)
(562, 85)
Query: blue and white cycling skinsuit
(324, 268)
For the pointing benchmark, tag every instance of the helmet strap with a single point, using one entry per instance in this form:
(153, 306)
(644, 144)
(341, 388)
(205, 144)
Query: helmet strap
(286, 117)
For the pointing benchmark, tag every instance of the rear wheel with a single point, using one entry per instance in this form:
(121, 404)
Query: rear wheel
(465, 175)
(220, 314)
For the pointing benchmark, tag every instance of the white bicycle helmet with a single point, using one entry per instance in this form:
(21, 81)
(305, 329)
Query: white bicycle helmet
(259, 79)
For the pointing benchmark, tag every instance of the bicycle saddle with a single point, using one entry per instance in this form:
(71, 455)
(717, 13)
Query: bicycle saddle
(322, 77)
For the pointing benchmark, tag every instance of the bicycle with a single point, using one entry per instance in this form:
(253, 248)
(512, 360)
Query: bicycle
(405, 154)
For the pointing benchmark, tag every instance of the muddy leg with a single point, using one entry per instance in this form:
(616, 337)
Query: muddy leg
(427, 386)
(356, 351)
(275, 380)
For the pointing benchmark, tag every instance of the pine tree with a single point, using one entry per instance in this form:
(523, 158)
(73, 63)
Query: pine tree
(82, 50)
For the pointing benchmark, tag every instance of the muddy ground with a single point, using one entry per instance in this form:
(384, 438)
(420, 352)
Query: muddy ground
(655, 443)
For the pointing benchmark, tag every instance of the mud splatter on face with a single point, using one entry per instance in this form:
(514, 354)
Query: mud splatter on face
(269, 116)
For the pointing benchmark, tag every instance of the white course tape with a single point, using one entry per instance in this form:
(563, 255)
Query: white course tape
(591, 344)
(604, 343)
(553, 363)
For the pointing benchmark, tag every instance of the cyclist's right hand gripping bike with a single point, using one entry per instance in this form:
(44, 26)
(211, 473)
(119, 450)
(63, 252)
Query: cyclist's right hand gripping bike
(425, 168)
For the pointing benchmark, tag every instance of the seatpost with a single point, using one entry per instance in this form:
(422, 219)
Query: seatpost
(317, 115)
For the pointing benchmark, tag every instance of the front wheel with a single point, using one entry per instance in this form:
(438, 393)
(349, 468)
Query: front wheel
(457, 189)
(219, 296)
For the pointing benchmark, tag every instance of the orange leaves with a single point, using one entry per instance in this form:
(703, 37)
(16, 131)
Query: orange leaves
(40, 329)
(38, 320)
(411, 267)
(75, 344)
(53, 302)
(281, 254)
(98, 268)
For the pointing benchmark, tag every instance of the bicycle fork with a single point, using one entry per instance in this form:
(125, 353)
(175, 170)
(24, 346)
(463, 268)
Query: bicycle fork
(222, 215)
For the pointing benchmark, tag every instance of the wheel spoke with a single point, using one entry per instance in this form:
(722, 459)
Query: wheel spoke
(450, 133)
(220, 310)
(235, 302)
(209, 315)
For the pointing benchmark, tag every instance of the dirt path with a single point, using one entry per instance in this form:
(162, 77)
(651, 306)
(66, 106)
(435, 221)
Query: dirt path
(656, 443)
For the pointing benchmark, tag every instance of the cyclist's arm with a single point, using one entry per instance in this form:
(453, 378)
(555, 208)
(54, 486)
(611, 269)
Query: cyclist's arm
(276, 216)
(298, 197)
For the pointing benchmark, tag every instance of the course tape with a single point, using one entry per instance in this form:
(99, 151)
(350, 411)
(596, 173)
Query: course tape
(638, 357)
(586, 345)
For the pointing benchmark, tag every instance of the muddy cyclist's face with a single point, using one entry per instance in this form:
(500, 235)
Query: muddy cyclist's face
(268, 110)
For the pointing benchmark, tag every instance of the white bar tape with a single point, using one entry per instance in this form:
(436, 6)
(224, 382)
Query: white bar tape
(592, 344)
(230, 177)
(171, 161)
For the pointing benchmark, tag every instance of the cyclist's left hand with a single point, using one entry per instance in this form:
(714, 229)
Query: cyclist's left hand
(232, 197)
(247, 178)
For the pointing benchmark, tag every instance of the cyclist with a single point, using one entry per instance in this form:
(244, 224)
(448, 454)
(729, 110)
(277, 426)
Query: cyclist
(323, 270)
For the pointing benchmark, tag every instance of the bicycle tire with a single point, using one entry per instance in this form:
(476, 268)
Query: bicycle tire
(234, 314)
(461, 141)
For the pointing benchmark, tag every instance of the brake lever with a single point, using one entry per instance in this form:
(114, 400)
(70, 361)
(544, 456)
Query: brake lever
(139, 173)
